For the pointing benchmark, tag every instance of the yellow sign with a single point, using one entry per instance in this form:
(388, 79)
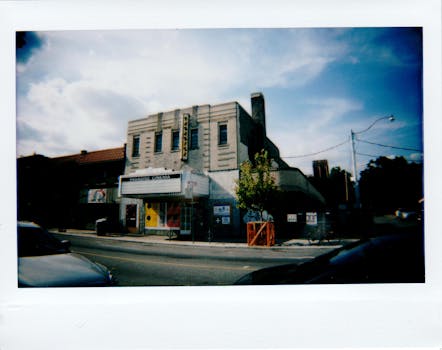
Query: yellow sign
(185, 137)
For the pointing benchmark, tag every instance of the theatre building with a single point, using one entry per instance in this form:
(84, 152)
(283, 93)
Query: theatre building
(181, 167)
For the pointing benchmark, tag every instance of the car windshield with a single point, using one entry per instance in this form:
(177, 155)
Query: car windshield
(35, 241)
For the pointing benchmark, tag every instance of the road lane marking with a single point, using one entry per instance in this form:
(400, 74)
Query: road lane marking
(209, 267)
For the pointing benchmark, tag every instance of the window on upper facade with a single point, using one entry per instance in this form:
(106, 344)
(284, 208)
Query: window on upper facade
(222, 134)
(175, 140)
(193, 138)
(136, 146)
(158, 141)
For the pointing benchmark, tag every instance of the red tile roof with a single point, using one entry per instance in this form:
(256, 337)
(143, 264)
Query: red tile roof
(106, 155)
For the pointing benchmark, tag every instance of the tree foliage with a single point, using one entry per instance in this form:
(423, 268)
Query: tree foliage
(256, 188)
(387, 184)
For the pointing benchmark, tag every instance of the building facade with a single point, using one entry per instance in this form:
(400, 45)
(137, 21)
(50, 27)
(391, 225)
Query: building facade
(320, 169)
(70, 191)
(182, 165)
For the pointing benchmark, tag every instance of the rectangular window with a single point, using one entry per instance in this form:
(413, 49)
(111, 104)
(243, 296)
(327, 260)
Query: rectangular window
(136, 146)
(193, 138)
(175, 140)
(222, 134)
(158, 141)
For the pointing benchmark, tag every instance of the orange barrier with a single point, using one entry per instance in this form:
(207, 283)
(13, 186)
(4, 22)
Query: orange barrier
(260, 233)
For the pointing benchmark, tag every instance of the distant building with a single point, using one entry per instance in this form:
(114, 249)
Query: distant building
(182, 165)
(70, 191)
(320, 169)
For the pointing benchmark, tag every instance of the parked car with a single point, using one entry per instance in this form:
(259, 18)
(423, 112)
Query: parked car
(406, 214)
(387, 259)
(45, 261)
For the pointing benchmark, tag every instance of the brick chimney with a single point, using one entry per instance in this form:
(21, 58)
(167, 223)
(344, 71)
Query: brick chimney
(258, 110)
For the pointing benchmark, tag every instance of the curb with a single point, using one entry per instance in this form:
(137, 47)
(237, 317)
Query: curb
(164, 240)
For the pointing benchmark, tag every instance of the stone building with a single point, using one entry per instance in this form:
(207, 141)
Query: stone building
(181, 168)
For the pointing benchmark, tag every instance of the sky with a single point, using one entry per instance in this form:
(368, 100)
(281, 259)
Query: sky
(77, 89)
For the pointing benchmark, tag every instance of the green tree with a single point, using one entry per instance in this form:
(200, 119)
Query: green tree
(256, 188)
(387, 184)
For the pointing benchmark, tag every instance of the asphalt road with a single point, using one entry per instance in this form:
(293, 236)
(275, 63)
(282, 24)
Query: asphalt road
(138, 264)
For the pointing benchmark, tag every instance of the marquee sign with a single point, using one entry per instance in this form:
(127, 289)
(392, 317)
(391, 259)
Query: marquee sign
(185, 137)
(151, 184)
(152, 177)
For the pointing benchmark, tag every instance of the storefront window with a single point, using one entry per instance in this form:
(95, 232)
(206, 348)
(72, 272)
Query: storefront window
(173, 214)
(162, 214)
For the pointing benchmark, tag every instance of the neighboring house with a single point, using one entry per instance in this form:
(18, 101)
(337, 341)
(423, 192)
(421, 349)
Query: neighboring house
(71, 191)
(182, 165)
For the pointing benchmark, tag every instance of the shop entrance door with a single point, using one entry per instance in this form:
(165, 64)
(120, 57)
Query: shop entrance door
(186, 220)
(131, 217)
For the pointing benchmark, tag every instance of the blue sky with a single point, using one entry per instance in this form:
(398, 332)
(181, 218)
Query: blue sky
(78, 89)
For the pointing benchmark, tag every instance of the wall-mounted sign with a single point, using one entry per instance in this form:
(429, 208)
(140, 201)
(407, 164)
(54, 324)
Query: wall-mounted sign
(225, 220)
(311, 218)
(221, 214)
(222, 220)
(292, 218)
(221, 210)
(185, 137)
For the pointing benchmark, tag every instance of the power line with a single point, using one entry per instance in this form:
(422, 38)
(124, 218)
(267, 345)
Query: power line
(344, 142)
(388, 146)
(315, 153)
(367, 155)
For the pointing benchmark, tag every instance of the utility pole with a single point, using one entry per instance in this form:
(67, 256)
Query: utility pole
(355, 171)
(353, 134)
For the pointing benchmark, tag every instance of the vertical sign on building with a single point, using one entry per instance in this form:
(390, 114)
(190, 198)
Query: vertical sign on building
(185, 137)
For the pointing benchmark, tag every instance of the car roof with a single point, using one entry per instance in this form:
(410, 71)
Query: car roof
(27, 224)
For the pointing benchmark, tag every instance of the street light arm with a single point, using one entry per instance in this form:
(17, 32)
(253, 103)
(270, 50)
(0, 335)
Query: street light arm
(353, 151)
(390, 118)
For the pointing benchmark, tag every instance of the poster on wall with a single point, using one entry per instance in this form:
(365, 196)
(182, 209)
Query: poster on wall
(97, 195)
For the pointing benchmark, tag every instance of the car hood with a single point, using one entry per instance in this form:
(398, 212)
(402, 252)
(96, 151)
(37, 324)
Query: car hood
(384, 259)
(61, 270)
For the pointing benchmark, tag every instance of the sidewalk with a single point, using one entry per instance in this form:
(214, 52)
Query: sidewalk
(160, 239)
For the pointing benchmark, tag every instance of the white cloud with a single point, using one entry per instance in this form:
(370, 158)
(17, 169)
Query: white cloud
(320, 129)
(75, 116)
(417, 157)
(84, 86)
(329, 111)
